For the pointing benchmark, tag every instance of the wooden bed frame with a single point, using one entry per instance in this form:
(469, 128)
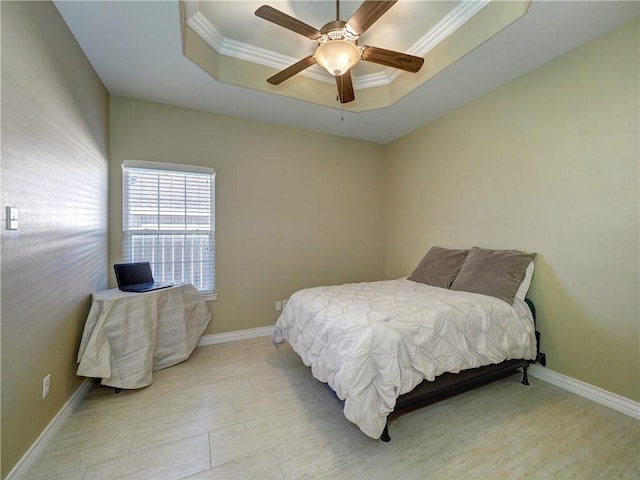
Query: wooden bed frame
(450, 384)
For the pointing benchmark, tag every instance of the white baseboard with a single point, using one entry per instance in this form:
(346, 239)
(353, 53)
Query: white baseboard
(34, 452)
(598, 395)
(234, 336)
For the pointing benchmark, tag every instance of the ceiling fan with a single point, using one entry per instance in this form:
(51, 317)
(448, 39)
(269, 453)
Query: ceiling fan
(338, 50)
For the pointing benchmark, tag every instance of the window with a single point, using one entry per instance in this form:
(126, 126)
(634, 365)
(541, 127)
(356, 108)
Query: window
(169, 221)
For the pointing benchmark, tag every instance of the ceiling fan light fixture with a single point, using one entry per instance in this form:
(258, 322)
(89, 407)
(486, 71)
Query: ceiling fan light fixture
(337, 56)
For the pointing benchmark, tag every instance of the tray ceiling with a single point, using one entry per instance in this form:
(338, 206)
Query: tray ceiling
(440, 31)
(136, 48)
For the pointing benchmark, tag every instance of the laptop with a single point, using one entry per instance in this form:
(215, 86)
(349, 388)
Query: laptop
(137, 277)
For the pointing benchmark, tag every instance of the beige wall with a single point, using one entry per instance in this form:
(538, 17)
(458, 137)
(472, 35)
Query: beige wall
(54, 170)
(547, 163)
(293, 208)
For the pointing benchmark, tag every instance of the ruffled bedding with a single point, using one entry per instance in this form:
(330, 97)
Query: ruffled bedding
(371, 342)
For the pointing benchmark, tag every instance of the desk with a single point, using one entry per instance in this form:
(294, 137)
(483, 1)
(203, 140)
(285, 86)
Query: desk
(127, 336)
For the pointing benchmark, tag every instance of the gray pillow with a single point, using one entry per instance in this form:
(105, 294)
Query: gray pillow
(498, 273)
(439, 267)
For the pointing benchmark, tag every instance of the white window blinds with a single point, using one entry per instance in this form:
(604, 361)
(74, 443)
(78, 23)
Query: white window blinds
(169, 221)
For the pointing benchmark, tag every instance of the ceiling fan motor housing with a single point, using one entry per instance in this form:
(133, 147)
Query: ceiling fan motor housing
(337, 30)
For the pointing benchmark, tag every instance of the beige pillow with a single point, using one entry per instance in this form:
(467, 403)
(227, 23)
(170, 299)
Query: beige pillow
(498, 273)
(439, 267)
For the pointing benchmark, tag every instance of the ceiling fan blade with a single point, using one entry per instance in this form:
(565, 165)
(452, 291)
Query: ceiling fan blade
(287, 21)
(290, 71)
(345, 88)
(393, 59)
(367, 14)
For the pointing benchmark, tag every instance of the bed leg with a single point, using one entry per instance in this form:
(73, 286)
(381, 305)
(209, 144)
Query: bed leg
(385, 433)
(525, 377)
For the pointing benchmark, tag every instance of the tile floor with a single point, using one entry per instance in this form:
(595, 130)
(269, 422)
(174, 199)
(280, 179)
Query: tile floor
(244, 410)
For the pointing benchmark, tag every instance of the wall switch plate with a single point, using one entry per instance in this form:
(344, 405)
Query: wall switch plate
(278, 305)
(12, 218)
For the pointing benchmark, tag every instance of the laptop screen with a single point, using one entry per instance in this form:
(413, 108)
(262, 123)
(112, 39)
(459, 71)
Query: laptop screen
(133, 273)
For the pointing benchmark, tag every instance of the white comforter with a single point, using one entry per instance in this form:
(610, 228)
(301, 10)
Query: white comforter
(372, 342)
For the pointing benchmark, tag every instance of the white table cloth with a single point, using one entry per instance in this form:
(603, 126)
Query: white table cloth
(128, 336)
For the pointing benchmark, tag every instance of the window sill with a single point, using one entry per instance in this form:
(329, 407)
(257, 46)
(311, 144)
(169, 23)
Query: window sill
(210, 297)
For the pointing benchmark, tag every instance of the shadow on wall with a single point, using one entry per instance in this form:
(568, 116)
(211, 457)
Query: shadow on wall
(573, 338)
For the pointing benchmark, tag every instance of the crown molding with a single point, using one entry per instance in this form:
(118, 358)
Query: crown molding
(243, 51)
(201, 25)
(251, 53)
(451, 22)
(191, 7)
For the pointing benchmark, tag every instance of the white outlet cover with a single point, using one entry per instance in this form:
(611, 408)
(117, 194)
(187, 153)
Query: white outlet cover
(46, 384)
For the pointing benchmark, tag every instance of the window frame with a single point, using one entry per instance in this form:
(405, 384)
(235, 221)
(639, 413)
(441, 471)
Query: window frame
(149, 165)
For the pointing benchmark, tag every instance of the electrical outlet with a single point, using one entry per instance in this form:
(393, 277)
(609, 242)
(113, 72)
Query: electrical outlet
(284, 303)
(46, 384)
(542, 359)
(278, 305)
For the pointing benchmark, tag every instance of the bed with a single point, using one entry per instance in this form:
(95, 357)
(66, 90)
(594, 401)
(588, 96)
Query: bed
(384, 347)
